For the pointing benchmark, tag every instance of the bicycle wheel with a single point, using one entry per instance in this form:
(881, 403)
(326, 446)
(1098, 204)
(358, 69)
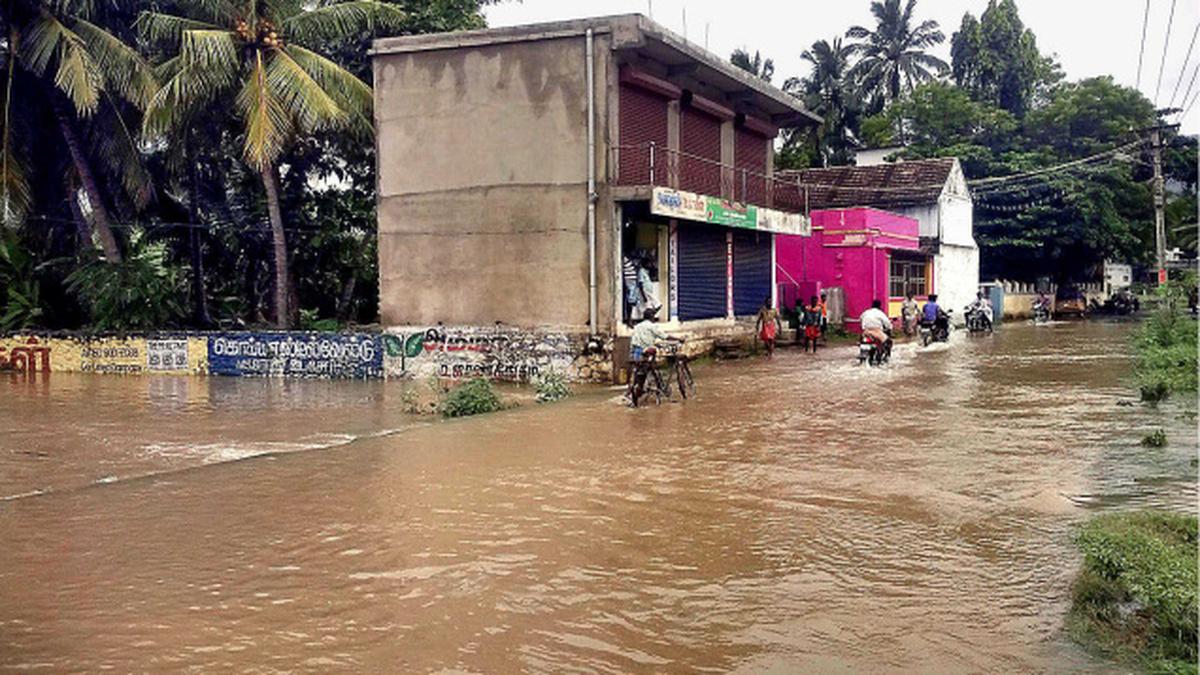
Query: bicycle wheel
(687, 385)
(657, 386)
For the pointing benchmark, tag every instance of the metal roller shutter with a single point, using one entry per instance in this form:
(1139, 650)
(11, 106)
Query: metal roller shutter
(751, 271)
(750, 154)
(700, 143)
(643, 120)
(702, 272)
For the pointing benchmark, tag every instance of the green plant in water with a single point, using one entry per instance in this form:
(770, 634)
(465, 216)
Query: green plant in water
(1158, 439)
(551, 386)
(473, 397)
(1166, 345)
(1135, 598)
(142, 292)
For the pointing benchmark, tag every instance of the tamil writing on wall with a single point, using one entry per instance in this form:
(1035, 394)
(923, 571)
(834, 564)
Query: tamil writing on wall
(331, 355)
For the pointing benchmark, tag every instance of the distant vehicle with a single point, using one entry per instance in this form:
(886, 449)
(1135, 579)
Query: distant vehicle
(1121, 302)
(1070, 301)
(978, 318)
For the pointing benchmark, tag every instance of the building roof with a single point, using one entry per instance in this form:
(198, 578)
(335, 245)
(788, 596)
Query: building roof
(633, 32)
(895, 184)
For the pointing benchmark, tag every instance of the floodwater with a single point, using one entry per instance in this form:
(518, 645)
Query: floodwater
(802, 515)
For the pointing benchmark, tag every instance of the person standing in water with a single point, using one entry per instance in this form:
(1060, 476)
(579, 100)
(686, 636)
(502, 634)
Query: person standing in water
(768, 326)
(811, 320)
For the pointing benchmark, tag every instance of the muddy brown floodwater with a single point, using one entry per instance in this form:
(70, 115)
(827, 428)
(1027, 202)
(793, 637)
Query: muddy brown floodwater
(803, 515)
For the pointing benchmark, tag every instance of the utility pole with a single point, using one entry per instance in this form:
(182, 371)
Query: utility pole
(1160, 203)
(1159, 190)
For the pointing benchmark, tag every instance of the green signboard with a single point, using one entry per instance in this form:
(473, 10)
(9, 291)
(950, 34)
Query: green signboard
(733, 214)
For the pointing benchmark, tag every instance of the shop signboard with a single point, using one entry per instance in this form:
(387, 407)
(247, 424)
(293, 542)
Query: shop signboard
(705, 209)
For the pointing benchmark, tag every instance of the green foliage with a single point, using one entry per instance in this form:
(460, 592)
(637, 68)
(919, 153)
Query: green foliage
(1156, 439)
(20, 304)
(893, 57)
(143, 292)
(756, 65)
(1166, 344)
(996, 60)
(473, 397)
(1135, 597)
(551, 386)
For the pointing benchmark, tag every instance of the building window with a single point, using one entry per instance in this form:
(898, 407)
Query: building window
(907, 276)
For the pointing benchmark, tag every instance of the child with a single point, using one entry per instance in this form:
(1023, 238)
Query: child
(768, 325)
(811, 321)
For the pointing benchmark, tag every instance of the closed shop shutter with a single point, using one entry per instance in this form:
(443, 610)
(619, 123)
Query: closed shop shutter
(750, 155)
(702, 270)
(751, 271)
(643, 120)
(700, 143)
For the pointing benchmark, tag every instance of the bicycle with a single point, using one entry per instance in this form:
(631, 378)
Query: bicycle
(679, 370)
(646, 379)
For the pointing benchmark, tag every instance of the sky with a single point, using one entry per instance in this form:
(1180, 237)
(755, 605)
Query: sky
(1089, 37)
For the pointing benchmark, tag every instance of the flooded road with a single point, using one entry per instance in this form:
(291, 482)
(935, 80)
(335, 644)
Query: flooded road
(801, 515)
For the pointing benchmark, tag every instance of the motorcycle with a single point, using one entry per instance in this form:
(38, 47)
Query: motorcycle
(937, 331)
(1041, 312)
(978, 318)
(872, 352)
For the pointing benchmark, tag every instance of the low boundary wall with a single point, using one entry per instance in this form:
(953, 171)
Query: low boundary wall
(501, 353)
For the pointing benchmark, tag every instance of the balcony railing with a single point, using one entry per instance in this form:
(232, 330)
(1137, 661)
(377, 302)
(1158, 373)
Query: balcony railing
(653, 164)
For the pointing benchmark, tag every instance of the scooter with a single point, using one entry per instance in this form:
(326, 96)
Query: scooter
(1041, 312)
(978, 318)
(938, 331)
(872, 352)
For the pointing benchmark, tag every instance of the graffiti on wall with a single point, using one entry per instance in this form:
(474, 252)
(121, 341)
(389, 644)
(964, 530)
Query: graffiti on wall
(295, 355)
(495, 353)
(25, 353)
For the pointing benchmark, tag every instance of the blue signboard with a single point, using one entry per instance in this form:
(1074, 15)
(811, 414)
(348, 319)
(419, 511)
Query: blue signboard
(331, 355)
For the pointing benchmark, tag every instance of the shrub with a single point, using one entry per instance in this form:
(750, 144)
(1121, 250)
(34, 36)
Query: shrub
(551, 386)
(1135, 597)
(473, 397)
(144, 291)
(1166, 345)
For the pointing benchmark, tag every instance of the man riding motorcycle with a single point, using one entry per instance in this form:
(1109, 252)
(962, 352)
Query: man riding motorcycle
(982, 309)
(935, 321)
(877, 327)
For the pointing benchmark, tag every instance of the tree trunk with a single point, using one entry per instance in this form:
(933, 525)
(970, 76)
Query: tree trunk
(199, 292)
(279, 250)
(346, 301)
(101, 223)
(83, 229)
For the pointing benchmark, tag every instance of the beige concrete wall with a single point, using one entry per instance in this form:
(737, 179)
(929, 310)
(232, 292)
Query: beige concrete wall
(482, 184)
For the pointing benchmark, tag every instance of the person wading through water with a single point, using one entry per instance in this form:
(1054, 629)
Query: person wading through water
(768, 326)
(811, 320)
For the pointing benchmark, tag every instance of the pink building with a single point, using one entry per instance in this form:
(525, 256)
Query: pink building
(868, 253)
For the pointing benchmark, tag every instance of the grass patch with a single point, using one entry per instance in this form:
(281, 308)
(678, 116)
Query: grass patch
(1158, 439)
(473, 397)
(1135, 598)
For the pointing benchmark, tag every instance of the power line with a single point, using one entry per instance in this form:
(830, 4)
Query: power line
(1183, 70)
(1166, 43)
(1142, 50)
(1188, 93)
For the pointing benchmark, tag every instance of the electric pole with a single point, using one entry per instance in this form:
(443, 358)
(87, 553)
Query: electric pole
(1160, 227)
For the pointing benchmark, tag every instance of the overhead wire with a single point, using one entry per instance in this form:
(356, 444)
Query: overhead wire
(1191, 82)
(1142, 49)
(1162, 64)
(1183, 70)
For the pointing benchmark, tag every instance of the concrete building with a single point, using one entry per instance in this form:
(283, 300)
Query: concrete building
(869, 254)
(932, 191)
(519, 166)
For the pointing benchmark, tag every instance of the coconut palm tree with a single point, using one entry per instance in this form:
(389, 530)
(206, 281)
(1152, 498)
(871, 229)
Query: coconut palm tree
(55, 57)
(250, 56)
(893, 58)
(828, 91)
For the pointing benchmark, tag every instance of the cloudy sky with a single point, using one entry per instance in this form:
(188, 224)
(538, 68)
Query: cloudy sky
(1089, 37)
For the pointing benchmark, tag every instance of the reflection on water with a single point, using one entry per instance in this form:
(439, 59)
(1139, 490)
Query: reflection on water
(801, 515)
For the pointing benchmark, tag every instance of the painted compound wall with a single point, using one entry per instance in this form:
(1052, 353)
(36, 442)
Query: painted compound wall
(499, 353)
(110, 355)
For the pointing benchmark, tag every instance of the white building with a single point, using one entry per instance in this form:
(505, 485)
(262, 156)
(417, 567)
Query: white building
(934, 192)
(1116, 276)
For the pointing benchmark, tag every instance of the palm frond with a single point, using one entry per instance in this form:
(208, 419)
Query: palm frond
(15, 195)
(127, 73)
(167, 29)
(341, 20)
(268, 126)
(115, 147)
(210, 50)
(46, 39)
(352, 94)
(184, 89)
(304, 99)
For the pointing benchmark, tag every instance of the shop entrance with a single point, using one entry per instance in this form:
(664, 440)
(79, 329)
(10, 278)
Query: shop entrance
(644, 263)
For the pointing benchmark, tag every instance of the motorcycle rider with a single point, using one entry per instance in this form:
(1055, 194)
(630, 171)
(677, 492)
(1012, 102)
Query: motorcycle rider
(1042, 305)
(984, 308)
(877, 325)
(933, 315)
